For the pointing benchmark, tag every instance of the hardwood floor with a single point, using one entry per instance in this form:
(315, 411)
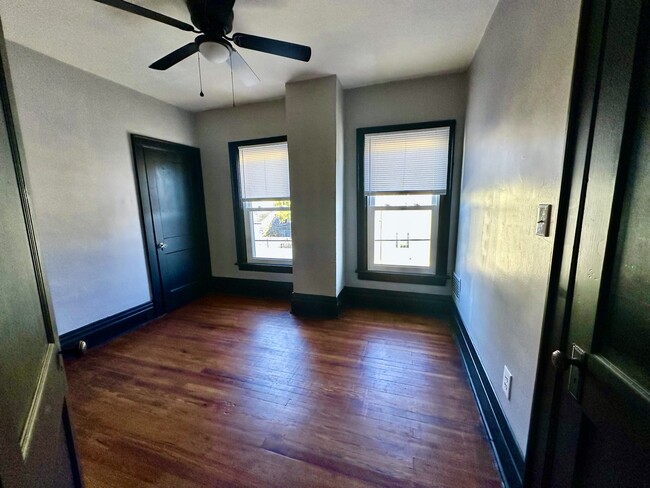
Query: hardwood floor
(236, 392)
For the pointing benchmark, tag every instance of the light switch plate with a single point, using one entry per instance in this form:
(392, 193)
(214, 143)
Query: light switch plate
(506, 384)
(543, 220)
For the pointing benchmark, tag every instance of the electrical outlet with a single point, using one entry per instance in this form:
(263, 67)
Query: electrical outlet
(506, 384)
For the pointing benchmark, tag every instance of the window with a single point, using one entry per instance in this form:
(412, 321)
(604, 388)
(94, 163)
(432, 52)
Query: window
(262, 203)
(403, 202)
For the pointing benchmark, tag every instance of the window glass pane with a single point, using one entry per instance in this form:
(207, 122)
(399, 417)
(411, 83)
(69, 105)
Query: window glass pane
(268, 203)
(415, 254)
(404, 200)
(402, 237)
(270, 237)
(263, 171)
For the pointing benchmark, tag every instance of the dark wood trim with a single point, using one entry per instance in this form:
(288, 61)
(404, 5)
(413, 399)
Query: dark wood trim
(315, 305)
(419, 279)
(438, 305)
(240, 232)
(139, 144)
(412, 126)
(108, 328)
(442, 250)
(265, 268)
(444, 223)
(587, 73)
(509, 459)
(400, 301)
(256, 288)
(15, 145)
(555, 436)
(261, 140)
(7, 100)
(71, 442)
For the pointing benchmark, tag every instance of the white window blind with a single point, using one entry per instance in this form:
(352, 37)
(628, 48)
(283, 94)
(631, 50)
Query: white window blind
(407, 161)
(264, 171)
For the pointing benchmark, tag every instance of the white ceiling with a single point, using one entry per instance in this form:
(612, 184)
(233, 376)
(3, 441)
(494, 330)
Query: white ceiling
(362, 41)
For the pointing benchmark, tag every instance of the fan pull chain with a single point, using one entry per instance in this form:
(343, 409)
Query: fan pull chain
(232, 83)
(198, 56)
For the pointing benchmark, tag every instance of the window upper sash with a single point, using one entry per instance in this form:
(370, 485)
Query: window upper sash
(411, 161)
(264, 172)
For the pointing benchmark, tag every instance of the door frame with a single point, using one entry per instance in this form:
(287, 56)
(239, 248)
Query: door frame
(9, 112)
(138, 144)
(555, 327)
(550, 384)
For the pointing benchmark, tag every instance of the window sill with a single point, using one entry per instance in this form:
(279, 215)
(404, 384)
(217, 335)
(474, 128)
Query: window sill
(418, 279)
(266, 268)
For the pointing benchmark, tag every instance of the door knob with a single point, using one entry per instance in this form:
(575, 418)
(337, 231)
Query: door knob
(162, 245)
(561, 362)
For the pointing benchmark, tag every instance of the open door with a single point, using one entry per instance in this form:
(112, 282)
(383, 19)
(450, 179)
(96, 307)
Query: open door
(591, 422)
(36, 440)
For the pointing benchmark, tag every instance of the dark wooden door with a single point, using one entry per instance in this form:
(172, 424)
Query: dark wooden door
(36, 439)
(173, 207)
(600, 435)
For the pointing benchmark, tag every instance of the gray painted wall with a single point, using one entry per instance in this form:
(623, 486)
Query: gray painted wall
(431, 98)
(402, 102)
(514, 146)
(215, 129)
(75, 130)
(316, 168)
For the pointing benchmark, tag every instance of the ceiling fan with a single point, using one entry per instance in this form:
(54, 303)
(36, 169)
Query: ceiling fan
(213, 19)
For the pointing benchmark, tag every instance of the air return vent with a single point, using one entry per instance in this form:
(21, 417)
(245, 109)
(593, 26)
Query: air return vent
(456, 286)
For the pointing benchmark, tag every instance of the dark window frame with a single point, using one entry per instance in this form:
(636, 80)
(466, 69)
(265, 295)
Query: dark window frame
(237, 205)
(442, 245)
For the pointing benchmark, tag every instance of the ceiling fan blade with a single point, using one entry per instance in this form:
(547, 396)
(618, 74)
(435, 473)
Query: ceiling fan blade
(242, 70)
(175, 57)
(272, 46)
(150, 14)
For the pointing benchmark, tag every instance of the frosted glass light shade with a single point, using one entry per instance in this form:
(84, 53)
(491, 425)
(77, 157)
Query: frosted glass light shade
(214, 51)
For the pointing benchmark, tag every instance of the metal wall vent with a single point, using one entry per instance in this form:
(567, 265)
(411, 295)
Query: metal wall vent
(456, 286)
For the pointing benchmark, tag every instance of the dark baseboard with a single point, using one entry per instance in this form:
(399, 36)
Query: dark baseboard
(109, 328)
(315, 305)
(400, 301)
(256, 288)
(106, 329)
(509, 459)
(318, 305)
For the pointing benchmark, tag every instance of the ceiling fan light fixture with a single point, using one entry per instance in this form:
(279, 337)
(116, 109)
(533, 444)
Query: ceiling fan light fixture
(214, 51)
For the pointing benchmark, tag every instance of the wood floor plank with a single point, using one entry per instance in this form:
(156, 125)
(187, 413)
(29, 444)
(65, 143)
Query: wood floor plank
(237, 392)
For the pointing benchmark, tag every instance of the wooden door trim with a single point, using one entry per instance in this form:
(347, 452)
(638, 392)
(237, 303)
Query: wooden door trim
(138, 144)
(51, 360)
(15, 143)
(550, 386)
(68, 428)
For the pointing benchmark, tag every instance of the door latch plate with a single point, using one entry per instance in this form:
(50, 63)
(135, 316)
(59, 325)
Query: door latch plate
(575, 372)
